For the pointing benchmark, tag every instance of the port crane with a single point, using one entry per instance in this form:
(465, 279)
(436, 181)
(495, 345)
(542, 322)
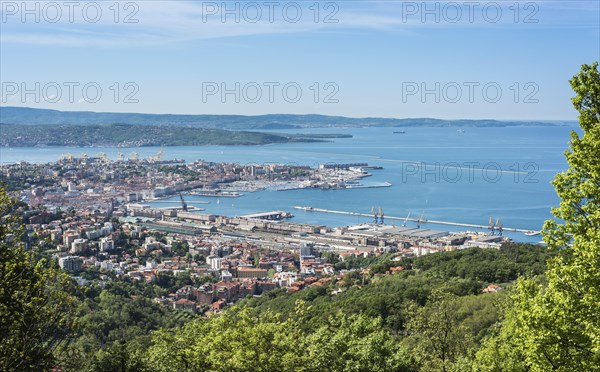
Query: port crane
(159, 156)
(67, 157)
(406, 220)
(492, 226)
(380, 216)
(183, 203)
(103, 157)
(499, 226)
(375, 215)
(419, 220)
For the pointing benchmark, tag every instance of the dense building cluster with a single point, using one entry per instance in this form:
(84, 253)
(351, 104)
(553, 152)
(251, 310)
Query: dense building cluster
(92, 215)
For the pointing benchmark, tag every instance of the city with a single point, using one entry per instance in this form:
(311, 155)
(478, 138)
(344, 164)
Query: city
(299, 186)
(94, 218)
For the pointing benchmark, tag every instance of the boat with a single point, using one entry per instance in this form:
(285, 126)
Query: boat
(400, 132)
(532, 233)
(460, 130)
(216, 193)
(304, 208)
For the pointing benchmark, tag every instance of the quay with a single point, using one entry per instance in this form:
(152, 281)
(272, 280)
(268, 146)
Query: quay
(176, 201)
(461, 224)
(275, 215)
(189, 208)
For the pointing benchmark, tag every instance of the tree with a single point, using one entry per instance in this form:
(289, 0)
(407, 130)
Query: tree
(246, 340)
(437, 336)
(232, 341)
(36, 309)
(355, 343)
(558, 323)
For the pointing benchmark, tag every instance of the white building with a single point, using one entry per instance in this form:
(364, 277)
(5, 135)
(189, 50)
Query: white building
(106, 245)
(214, 262)
(70, 263)
(78, 245)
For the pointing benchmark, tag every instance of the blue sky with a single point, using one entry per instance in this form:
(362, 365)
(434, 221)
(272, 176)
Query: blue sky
(370, 58)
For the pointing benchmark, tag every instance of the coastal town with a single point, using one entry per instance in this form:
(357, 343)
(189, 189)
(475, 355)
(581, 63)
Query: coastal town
(95, 220)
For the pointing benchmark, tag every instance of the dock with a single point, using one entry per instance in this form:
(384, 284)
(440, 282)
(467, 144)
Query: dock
(461, 224)
(176, 201)
(190, 208)
(272, 216)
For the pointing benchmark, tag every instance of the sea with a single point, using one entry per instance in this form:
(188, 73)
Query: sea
(464, 175)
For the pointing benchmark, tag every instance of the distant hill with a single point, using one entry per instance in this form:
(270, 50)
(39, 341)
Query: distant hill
(127, 135)
(32, 116)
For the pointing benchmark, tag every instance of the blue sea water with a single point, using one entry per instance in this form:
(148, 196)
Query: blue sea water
(439, 173)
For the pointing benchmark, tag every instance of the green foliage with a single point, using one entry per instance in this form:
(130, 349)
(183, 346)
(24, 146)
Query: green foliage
(36, 308)
(556, 324)
(357, 262)
(171, 282)
(388, 296)
(487, 265)
(355, 343)
(248, 341)
(115, 329)
(135, 135)
(180, 248)
(436, 333)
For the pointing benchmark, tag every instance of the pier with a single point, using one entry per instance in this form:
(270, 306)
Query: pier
(272, 216)
(461, 224)
(176, 201)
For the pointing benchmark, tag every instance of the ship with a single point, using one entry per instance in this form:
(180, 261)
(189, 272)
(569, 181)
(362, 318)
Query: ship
(400, 132)
(532, 233)
(216, 193)
(310, 209)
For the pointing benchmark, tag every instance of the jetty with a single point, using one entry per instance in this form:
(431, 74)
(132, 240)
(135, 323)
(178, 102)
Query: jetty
(274, 215)
(420, 220)
(176, 201)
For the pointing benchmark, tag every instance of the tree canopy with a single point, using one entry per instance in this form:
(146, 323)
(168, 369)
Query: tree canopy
(37, 311)
(555, 323)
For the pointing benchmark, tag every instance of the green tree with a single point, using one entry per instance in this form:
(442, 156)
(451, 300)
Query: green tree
(36, 311)
(501, 350)
(245, 340)
(355, 343)
(437, 336)
(233, 341)
(558, 323)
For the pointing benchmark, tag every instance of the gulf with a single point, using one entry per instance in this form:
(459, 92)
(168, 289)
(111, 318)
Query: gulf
(446, 174)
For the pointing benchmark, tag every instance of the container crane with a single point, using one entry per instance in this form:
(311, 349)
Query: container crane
(491, 226)
(375, 215)
(183, 203)
(406, 220)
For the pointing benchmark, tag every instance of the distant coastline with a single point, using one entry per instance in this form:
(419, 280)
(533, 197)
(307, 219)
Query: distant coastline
(126, 135)
(33, 116)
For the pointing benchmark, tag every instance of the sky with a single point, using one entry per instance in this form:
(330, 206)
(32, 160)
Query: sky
(506, 60)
